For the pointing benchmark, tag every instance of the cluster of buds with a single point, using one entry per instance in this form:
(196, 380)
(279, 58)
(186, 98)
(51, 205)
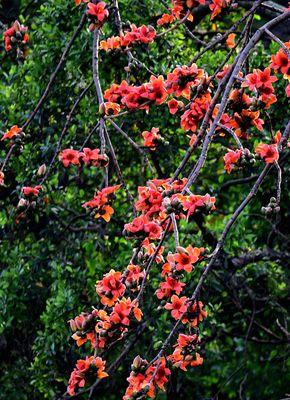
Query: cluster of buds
(272, 207)
(16, 38)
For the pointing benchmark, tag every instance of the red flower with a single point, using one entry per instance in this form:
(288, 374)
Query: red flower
(183, 78)
(269, 152)
(174, 106)
(177, 305)
(197, 111)
(231, 158)
(122, 312)
(153, 229)
(280, 61)
(77, 378)
(98, 11)
(110, 288)
(169, 287)
(165, 19)
(217, 6)
(12, 133)
(195, 314)
(186, 257)
(31, 191)
(151, 138)
(230, 42)
(70, 156)
(259, 79)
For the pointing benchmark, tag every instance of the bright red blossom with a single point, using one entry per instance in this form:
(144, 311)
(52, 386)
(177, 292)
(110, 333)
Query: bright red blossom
(269, 152)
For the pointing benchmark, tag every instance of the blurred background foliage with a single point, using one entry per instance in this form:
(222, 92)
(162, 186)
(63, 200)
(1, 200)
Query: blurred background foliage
(51, 260)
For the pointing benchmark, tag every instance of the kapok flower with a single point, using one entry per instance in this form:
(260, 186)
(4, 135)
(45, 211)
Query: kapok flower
(124, 310)
(185, 354)
(12, 133)
(195, 314)
(177, 306)
(17, 37)
(196, 112)
(217, 5)
(231, 158)
(151, 138)
(174, 106)
(268, 152)
(77, 379)
(133, 275)
(259, 79)
(165, 19)
(280, 62)
(110, 288)
(110, 108)
(230, 42)
(31, 191)
(186, 257)
(2, 176)
(70, 156)
(98, 14)
(169, 287)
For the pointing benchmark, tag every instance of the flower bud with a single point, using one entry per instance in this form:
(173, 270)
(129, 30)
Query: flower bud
(41, 170)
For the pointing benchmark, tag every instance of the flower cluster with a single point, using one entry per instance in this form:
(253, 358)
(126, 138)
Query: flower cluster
(138, 97)
(144, 378)
(17, 38)
(185, 354)
(182, 8)
(93, 365)
(100, 205)
(261, 82)
(136, 35)
(87, 156)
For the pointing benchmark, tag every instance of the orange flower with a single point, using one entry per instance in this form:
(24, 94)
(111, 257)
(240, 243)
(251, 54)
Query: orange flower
(231, 158)
(186, 257)
(280, 61)
(177, 305)
(110, 288)
(195, 314)
(230, 42)
(2, 176)
(151, 138)
(169, 287)
(217, 6)
(105, 212)
(13, 132)
(165, 19)
(268, 152)
(77, 378)
(123, 312)
(70, 156)
(31, 191)
(110, 108)
(175, 105)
